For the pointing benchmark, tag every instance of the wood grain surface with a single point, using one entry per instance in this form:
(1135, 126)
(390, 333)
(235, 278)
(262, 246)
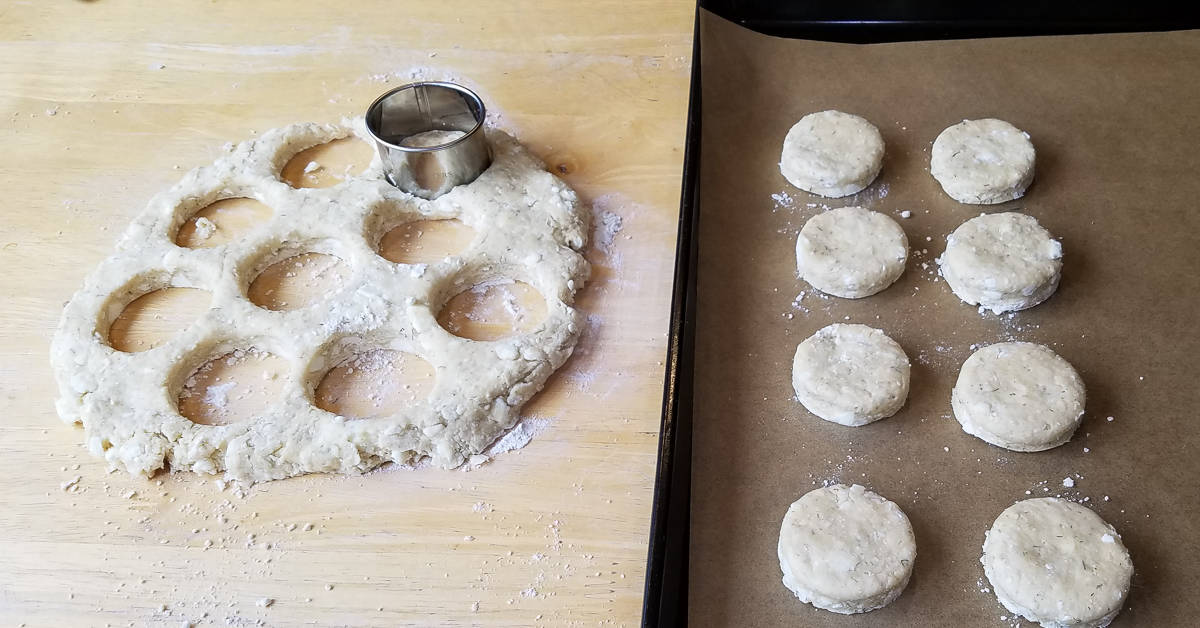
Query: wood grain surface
(105, 103)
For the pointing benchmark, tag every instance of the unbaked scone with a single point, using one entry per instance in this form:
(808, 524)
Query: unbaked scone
(851, 252)
(1018, 395)
(846, 549)
(832, 154)
(850, 374)
(983, 162)
(1057, 563)
(1002, 262)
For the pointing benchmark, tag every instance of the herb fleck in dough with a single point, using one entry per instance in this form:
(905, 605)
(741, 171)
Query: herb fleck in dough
(846, 549)
(1057, 563)
(832, 154)
(126, 402)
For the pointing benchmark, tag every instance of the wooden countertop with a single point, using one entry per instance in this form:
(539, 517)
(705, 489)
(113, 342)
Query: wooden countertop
(106, 103)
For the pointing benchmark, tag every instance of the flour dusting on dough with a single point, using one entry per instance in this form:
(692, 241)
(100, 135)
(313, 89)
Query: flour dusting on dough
(125, 400)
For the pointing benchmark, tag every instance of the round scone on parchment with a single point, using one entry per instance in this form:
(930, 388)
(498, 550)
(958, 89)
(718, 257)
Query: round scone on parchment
(851, 252)
(1018, 395)
(832, 154)
(983, 162)
(846, 549)
(1002, 262)
(850, 374)
(1057, 563)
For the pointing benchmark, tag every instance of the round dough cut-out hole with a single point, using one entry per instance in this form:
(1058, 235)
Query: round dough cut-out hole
(232, 387)
(375, 383)
(425, 241)
(297, 281)
(493, 310)
(326, 165)
(151, 319)
(222, 222)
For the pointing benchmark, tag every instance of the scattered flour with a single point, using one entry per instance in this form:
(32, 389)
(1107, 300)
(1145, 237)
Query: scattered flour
(516, 438)
(217, 395)
(205, 228)
(783, 200)
(605, 227)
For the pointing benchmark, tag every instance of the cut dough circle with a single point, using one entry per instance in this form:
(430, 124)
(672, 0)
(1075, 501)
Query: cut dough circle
(832, 154)
(851, 252)
(1057, 563)
(846, 549)
(127, 401)
(1018, 395)
(850, 374)
(1002, 262)
(983, 162)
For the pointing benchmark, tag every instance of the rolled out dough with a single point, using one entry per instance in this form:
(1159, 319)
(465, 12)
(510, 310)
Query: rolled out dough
(1018, 395)
(851, 252)
(983, 162)
(1057, 563)
(832, 154)
(850, 374)
(846, 549)
(1002, 262)
(529, 226)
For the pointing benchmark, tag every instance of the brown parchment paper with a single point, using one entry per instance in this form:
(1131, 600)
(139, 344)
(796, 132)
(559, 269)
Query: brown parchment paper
(1115, 120)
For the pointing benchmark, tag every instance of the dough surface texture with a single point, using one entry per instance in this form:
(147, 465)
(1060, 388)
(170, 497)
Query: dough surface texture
(528, 226)
(850, 374)
(1057, 563)
(832, 154)
(983, 162)
(1002, 262)
(851, 252)
(846, 549)
(1018, 395)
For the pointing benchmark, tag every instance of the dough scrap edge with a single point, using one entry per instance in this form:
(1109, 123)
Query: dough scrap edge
(79, 351)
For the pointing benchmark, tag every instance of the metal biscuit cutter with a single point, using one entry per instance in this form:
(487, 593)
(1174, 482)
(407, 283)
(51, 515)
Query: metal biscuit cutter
(430, 137)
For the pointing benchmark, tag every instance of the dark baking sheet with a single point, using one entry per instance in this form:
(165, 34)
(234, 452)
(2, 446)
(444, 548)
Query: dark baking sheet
(1085, 100)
